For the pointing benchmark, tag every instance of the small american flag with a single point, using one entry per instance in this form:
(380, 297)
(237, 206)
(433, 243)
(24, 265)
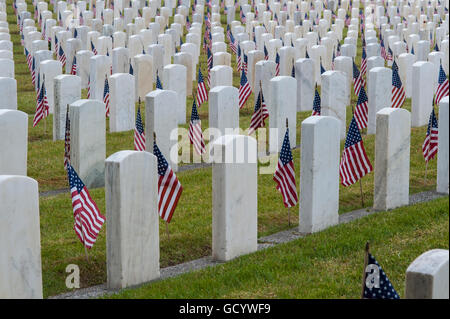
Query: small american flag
(322, 69)
(430, 145)
(88, 219)
(316, 103)
(139, 134)
(266, 53)
(354, 162)
(398, 93)
(195, 131)
(209, 64)
(158, 82)
(245, 63)
(62, 56)
(242, 15)
(259, 114)
(74, 66)
(385, 289)
(285, 174)
(67, 141)
(239, 65)
(42, 108)
(130, 70)
(29, 59)
(94, 50)
(33, 72)
(56, 46)
(389, 55)
(293, 71)
(383, 50)
(277, 67)
(358, 80)
(364, 62)
(244, 90)
(106, 96)
(202, 95)
(232, 43)
(443, 87)
(169, 188)
(362, 109)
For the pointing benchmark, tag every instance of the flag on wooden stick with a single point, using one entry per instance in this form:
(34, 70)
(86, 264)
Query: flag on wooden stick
(169, 188)
(430, 145)
(139, 134)
(398, 93)
(195, 131)
(259, 114)
(354, 162)
(443, 86)
(285, 174)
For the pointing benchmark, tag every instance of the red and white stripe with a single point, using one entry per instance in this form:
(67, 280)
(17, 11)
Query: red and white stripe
(88, 220)
(354, 164)
(441, 91)
(244, 94)
(398, 96)
(202, 95)
(358, 83)
(169, 191)
(430, 145)
(139, 140)
(285, 178)
(196, 136)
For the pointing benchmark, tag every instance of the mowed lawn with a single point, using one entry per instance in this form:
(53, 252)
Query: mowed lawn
(190, 229)
(328, 264)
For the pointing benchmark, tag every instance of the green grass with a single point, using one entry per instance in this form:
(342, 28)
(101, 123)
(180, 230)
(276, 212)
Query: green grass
(328, 264)
(191, 226)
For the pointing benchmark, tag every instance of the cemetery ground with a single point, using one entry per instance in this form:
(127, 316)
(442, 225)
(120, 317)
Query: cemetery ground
(323, 265)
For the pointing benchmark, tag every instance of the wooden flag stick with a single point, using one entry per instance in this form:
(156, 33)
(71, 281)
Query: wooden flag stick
(361, 191)
(426, 169)
(167, 231)
(366, 260)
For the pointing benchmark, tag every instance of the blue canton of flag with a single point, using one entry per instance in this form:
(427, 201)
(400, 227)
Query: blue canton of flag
(139, 135)
(158, 82)
(285, 174)
(316, 103)
(169, 188)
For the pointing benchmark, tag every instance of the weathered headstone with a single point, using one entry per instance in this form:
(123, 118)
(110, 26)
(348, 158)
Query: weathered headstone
(121, 106)
(427, 276)
(161, 119)
(20, 265)
(422, 93)
(304, 74)
(13, 142)
(319, 173)
(67, 90)
(174, 78)
(378, 93)
(132, 243)
(392, 144)
(235, 200)
(143, 72)
(223, 110)
(88, 141)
